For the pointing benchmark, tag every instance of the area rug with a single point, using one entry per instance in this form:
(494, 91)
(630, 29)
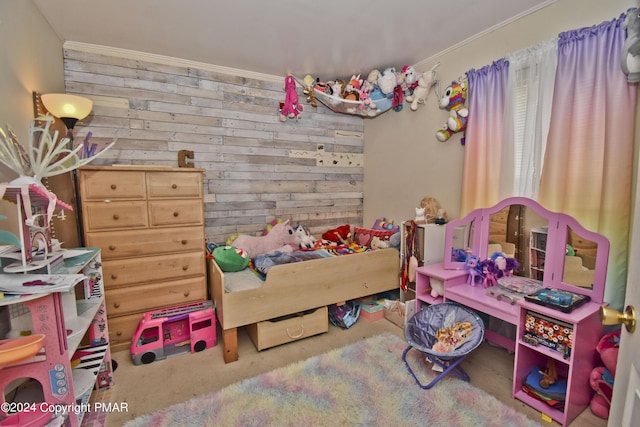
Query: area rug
(362, 384)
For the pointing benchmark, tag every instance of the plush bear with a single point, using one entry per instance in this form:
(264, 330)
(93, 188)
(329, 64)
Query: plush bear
(280, 238)
(630, 57)
(453, 101)
(421, 92)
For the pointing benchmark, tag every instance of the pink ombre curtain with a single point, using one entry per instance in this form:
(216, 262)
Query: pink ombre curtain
(588, 166)
(481, 169)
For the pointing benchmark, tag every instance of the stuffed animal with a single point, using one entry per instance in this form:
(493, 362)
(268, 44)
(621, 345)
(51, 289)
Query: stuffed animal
(387, 81)
(309, 90)
(601, 378)
(408, 79)
(420, 217)
(280, 238)
(335, 87)
(365, 96)
(394, 240)
(630, 57)
(373, 77)
(421, 93)
(291, 107)
(230, 258)
(453, 101)
(306, 239)
(378, 243)
(398, 99)
(352, 88)
(384, 224)
(340, 234)
(381, 101)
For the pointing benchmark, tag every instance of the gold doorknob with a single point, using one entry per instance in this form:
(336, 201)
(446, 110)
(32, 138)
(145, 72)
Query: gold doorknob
(610, 316)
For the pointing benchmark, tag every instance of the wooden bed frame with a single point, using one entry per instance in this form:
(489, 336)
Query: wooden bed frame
(300, 286)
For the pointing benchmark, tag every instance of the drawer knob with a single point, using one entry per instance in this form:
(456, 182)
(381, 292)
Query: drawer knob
(113, 186)
(184, 242)
(119, 333)
(186, 294)
(176, 214)
(116, 305)
(185, 267)
(116, 217)
(114, 276)
(174, 186)
(112, 247)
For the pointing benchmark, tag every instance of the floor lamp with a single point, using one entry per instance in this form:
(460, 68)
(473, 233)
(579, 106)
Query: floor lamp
(69, 109)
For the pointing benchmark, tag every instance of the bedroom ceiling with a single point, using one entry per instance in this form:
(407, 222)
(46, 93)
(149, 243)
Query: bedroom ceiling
(330, 38)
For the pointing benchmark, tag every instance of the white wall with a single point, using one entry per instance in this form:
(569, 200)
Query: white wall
(30, 60)
(405, 162)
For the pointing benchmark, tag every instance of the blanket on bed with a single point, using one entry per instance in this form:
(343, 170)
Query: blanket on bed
(262, 263)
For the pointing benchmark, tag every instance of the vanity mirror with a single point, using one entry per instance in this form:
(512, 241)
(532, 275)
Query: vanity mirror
(549, 246)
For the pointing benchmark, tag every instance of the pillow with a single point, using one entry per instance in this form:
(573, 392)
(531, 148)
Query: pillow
(364, 236)
(230, 259)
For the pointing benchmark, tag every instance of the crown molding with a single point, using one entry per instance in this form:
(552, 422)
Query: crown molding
(428, 62)
(166, 60)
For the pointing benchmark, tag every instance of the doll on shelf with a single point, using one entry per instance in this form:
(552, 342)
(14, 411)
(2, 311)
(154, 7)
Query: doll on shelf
(430, 212)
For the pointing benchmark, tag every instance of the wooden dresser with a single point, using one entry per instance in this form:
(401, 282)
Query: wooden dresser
(149, 223)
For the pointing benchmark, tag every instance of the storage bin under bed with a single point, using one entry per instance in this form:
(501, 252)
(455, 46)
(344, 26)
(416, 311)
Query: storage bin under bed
(289, 328)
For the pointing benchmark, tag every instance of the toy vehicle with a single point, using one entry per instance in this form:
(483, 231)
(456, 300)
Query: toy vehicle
(172, 331)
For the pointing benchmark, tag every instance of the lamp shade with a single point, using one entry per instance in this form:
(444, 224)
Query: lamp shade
(66, 106)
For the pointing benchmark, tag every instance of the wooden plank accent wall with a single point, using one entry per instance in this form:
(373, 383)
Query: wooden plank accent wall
(232, 125)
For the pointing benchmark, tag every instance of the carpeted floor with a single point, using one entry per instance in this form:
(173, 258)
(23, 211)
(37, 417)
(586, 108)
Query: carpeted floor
(365, 383)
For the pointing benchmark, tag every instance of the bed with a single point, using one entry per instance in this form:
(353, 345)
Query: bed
(292, 288)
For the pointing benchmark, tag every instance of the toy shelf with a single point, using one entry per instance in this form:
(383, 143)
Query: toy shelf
(66, 318)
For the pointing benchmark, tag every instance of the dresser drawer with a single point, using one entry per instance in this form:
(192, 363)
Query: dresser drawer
(115, 215)
(112, 185)
(121, 330)
(176, 212)
(138, 299)
(128, 271)
(174, 184)
(289, 328)
(127, 244)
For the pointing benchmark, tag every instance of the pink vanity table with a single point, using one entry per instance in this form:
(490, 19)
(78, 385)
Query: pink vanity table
(474, 233)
